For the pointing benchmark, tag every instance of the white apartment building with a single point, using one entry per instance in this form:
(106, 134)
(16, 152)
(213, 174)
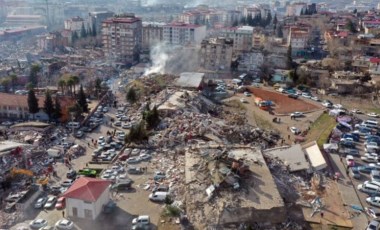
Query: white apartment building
(183, 34)
(75, 24)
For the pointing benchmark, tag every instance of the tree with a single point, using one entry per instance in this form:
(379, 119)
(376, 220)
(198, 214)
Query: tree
(243, 21)
(62, 85)
(75, 81)
(33, 76)
(151, 117)
(351, 26)
(289, 57)
(48, 105)
(137, 133)
(76, 109)
(83, 33)
(5, 83)
(235, 23)
(275, 20)
(250, 21)
(94, 33)
(82, 100)
(132, 95)
(70, 83)
(98, 86)
(268, 20)
(279, 32)
(13, 78)
(32, 102)
(74, 37)
(294, 76)
(29, 86)
(57, 109)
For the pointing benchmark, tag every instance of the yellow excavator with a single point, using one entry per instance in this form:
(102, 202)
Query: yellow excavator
(17, 171)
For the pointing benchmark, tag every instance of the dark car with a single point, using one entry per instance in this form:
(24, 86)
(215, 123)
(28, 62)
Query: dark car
(294, 96)
(364, 169)
(348, 144)
(71, 174)
(134, 170)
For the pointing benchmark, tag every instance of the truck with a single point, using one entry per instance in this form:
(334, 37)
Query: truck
(264, 105)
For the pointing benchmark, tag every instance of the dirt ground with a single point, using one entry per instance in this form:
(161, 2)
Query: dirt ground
(284, 104)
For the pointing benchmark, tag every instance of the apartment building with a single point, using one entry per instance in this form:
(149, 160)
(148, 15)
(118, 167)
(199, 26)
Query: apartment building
(298, 39)
(75, 24)
(216, 54)
(97, 17)
(152, 33)
(242, 37)
(183, 34)
(295, 9)
(122, 38)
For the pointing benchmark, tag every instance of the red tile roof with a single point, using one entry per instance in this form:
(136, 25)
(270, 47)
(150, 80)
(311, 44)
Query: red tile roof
(7, 99)
(87, 189)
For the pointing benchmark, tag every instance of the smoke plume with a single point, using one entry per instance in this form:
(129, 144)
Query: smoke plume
(173, 60)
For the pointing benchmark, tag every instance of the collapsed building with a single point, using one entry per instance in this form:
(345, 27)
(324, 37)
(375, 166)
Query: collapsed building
(230, 186)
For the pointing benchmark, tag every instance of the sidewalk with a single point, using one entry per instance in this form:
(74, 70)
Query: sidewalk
(348, 193)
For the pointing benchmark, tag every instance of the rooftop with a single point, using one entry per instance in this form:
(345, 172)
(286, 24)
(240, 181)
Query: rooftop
(6, 146)
(190, 80)
(87, 189)
(183, 25)
(293, 157)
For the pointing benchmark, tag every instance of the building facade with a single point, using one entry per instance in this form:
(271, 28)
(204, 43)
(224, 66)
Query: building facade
(242, 37)
(75, 24)
(251, 61)
(183, 34)
(216, 54)
(122, 38)
(97, 17)
(152, 33)
(87, 197)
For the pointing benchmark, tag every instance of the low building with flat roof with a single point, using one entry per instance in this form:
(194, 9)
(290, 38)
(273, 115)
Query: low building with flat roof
(292, 156)
(191, 80)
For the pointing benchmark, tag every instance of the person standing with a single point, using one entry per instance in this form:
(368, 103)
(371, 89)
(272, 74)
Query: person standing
(63, 214)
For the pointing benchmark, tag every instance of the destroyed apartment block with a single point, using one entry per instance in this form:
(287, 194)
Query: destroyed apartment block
(230, 187)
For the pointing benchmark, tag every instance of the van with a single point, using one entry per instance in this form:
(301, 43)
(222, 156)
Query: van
(122, 186)
(370, 123)
(369, 188)
(74, 125)
(158, 196)
(375, 175)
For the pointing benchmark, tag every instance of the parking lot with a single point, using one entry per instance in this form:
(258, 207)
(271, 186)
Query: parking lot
(138, 168)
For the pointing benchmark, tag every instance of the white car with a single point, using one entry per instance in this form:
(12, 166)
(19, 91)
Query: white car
(356, 111)
(306, 95)
(141, 220)
(117, 123)
(314, 98)
(247, 94)
(327, 104)
(38, 223)
(123, 118)
(64, 224)
(373, 115)
(296, 114)
(126, 126)
(338, 106)
(50, 203)
(369, 158)
(67, 183)
(243, 100)
(294, 130)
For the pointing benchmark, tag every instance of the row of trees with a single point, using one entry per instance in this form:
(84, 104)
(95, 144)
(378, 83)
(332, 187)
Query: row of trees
(52, 109)
(67, 84)
(257, 20)
(90, 32)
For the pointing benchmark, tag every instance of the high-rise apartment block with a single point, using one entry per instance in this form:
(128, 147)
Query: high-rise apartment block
(184, 34)
(122, 38)
(216, 54)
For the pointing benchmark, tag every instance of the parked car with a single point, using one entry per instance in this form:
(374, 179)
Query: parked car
(38, 223)
(158, 196)
(145, 157)
(348, 151)
(61, 203)
(243, 100)
(71, 174)
(373, 225)
(294, 130)
(40, 202)
(247, 94)
(134, 170)
(294, 96)
(145, 220)
(117, 123)
(369, 158)
(133, 160)
(79, 134)
(373, 115)
(67, 183)
(350, 160)
(122, 186)
(159, 175)
(365, 169)
(369, 189)
(126, 126)
(64, 224)
(306, 95)
(50, 202)
(356, 111)
(314, 98)
(354, 173)
(297, 114)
